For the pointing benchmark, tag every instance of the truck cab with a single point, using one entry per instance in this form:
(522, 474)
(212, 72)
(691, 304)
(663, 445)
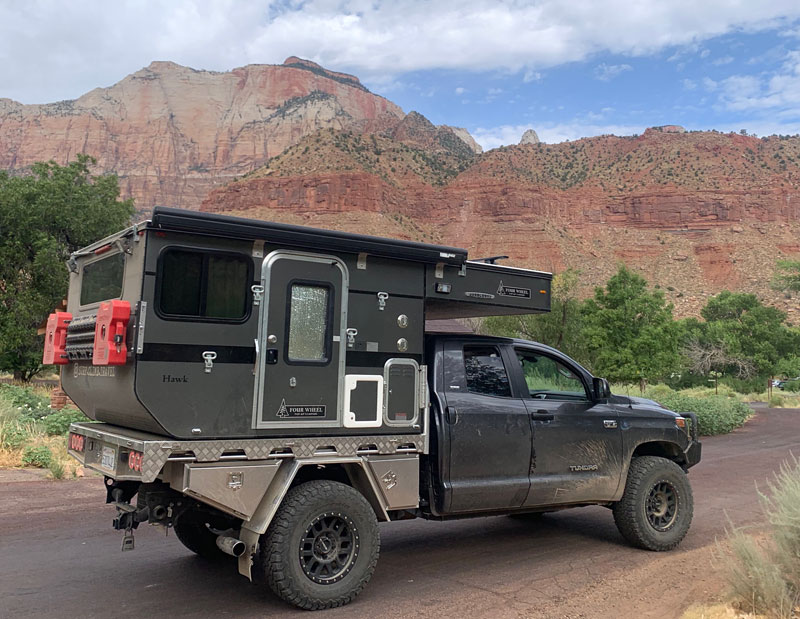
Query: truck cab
(520, 426)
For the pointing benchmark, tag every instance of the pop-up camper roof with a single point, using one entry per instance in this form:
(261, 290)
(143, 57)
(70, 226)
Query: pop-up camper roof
(455, 287)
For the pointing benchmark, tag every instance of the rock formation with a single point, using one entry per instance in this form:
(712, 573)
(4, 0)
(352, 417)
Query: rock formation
(529, 137)
(695, 213)
(172, 133)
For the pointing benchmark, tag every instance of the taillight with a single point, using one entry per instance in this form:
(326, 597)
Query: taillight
(55, 339)
(77, 442)
(110, 346)
(135, 461)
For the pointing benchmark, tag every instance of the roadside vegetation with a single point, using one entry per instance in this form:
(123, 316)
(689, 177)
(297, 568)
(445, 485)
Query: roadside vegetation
(763, 571)
(34, 435)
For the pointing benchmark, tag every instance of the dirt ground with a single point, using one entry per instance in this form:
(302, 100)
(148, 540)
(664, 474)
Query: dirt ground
(59, 556)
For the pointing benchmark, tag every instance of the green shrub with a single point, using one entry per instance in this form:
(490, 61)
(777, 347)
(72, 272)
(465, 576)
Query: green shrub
(13, 435)
(40, 456)
(30, 405)
(58, 422)
(715, 414)
(776, 401)
(56, 468)
(792, 386)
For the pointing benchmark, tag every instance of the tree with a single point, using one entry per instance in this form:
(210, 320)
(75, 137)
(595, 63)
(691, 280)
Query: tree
(629, 331)
(43, 218)
(559, 328)
(787, 276)
(740, 336)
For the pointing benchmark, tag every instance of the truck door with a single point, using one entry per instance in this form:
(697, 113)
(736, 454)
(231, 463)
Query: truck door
(301, 341)
(488, 429)
(577, 443)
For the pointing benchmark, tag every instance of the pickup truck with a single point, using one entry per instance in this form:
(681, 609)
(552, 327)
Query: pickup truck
(278, 418)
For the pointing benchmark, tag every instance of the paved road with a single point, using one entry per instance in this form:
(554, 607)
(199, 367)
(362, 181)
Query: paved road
(59, 557)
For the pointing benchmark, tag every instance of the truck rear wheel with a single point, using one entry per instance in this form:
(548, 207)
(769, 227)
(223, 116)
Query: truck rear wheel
(655, 510)
(322, 546)
(192, 530)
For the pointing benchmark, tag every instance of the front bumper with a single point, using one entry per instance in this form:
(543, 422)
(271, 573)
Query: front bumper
(693, 451)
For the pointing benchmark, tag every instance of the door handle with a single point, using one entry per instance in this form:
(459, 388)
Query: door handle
(542, 415)
(451, 415)
(610, 423)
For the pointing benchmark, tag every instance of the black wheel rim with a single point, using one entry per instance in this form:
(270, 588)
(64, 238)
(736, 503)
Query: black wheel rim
(661, 506)
(329, 548)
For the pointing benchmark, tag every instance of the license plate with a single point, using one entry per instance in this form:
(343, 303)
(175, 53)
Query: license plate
(109, 458)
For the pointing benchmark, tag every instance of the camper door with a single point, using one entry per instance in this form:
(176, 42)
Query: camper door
(301, 341)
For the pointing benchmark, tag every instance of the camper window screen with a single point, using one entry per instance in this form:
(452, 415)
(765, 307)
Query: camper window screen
(203, 285)
(102, 279)
(308, 323)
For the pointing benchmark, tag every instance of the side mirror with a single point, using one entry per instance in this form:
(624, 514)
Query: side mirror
(602, 391)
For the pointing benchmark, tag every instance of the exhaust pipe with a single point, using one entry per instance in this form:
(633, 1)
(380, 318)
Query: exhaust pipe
(231, 545)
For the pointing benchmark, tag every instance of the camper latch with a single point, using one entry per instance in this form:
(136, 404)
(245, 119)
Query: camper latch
(351, 337)
(208, 359)
(382, 296)
(258, 293)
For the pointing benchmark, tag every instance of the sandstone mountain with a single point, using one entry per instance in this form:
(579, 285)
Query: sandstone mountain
(694, 212)
(172, 133)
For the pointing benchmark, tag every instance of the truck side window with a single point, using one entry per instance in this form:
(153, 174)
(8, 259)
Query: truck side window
(485, 371)
(548, 379)
(309, 321)
(196, 284)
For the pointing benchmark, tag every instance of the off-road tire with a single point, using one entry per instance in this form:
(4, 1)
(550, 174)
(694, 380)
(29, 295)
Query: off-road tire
(191, 530)
(643, 516)
(281, 559)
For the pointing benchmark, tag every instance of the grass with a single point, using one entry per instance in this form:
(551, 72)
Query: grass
(32, 434)
(764, 572)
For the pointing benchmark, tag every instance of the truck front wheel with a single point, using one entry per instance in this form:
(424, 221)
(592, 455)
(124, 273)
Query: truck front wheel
(655, 510)
(322, 546)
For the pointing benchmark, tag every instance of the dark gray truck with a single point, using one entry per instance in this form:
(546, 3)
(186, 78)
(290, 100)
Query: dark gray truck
(271, 392)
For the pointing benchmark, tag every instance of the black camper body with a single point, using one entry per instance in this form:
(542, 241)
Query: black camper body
(221, 327)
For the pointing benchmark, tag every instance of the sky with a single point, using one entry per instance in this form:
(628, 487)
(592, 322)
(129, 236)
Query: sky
(565, 68)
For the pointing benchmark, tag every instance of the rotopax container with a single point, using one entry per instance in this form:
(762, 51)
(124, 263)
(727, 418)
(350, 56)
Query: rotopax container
(194, 325)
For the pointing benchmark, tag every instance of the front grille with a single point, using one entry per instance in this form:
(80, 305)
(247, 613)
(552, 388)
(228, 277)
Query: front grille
(80, 338)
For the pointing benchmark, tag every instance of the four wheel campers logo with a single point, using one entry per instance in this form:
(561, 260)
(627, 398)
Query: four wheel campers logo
(513, 291)
(293, 411)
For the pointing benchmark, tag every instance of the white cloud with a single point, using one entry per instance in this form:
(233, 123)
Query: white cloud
(460, 90)
(722, 61)
(779, 92)
(492, 137)
(51, 49)
(605, 72)
(689, 84)
(531, 76)
(705, 53)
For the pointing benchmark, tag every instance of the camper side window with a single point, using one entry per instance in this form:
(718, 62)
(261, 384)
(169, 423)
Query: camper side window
(203, 285)
(310, 311)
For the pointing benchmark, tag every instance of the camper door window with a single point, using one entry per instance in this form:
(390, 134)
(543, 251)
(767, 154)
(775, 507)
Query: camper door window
(102, 279)
(310, 310)
(203, 285)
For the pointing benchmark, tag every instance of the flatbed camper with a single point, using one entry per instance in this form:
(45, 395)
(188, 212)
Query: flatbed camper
(233, 328)
(270, 392)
